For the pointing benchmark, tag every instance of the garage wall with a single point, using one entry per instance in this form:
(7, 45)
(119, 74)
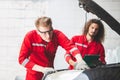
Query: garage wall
(18, 16)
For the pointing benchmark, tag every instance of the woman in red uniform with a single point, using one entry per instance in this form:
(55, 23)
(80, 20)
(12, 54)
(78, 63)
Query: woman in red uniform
(90, 42)
(39, 47)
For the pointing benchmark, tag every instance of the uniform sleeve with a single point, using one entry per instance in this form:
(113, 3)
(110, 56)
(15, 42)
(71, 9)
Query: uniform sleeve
(73, 39)
(68, 56)
(67, 45)
(25, 53)
(102, 54)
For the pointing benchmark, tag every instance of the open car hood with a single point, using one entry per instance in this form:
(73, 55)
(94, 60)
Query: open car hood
(91, 6)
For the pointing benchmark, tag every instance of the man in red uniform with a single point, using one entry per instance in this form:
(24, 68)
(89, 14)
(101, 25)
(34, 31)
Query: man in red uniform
(89, 43)
(39, 47)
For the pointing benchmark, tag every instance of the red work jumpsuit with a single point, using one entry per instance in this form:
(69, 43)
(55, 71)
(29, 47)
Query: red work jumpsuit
(34, 50)
(92, 48)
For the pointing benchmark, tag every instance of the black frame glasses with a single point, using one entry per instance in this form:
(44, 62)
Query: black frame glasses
(45, 32)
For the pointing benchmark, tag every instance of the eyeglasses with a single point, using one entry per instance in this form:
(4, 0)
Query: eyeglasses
(45, 32)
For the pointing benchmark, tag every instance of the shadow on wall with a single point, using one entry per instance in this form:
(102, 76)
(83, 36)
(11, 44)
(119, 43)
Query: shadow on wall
(113, 55)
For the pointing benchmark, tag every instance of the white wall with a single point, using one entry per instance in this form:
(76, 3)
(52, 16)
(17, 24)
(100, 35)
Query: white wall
(18, 16)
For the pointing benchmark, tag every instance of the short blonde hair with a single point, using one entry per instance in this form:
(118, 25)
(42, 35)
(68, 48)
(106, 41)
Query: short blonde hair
(43, 21)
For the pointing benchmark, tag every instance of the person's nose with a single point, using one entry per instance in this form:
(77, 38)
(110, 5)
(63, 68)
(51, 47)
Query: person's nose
(94, 30)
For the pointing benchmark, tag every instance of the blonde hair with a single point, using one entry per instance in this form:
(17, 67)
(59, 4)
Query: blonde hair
(43, 21)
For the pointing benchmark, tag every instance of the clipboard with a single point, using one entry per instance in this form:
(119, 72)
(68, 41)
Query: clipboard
(92, 60)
